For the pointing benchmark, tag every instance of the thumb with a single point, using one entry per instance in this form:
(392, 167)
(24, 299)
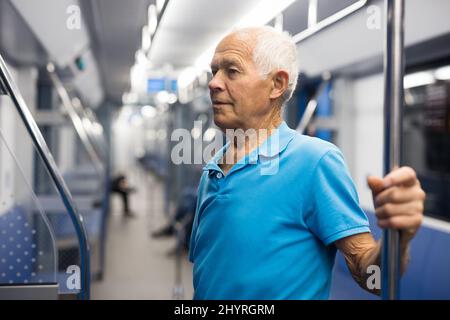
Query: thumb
(376, 184)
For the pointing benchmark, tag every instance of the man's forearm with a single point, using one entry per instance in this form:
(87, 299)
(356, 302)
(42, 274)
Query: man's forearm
(362, 251)
(373, 257)
(404, 253)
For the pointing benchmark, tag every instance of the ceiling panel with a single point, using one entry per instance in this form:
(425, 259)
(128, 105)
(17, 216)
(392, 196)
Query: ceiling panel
(17, 42)
(62, 43)
(188, 28)
(115, 35)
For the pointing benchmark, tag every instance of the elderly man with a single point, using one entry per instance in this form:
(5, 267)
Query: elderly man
(275, 236)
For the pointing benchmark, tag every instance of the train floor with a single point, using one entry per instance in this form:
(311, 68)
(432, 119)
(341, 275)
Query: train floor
(137, 265)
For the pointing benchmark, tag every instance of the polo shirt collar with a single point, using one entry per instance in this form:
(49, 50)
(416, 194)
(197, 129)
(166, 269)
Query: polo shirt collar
(213, 164)
(277, 141)
(274, 145)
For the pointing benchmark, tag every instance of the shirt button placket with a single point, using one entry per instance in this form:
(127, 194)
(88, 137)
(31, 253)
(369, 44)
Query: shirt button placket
(219, 180)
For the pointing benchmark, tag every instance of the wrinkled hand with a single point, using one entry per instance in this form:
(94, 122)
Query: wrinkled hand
(398, 200)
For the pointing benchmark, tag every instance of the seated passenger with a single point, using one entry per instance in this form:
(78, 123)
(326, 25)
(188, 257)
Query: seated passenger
(119, 185)
(184, 217)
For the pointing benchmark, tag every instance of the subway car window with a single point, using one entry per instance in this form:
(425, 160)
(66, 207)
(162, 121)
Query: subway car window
(295, 19)
(326, 8)
(252, 151)
(426, 129)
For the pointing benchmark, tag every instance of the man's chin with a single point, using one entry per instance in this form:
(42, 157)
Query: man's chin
(223, 122)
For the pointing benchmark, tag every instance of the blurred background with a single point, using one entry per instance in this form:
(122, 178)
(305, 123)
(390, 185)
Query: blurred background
(109, 81)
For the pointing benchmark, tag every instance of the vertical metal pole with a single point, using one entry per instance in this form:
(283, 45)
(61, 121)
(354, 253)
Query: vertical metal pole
(178, 289)
(393, 105)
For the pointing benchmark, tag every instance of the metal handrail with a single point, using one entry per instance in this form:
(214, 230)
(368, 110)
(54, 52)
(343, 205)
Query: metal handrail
(393, 105)
(10, 88)
(75, 118)
(2, 90)
(305, 34)
(312, 106)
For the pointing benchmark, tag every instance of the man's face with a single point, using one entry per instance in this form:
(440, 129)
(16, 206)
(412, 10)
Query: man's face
(239, 95)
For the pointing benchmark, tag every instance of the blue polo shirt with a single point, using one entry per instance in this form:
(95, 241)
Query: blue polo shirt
(265, 230)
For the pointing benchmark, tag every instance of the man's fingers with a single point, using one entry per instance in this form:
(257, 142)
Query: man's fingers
(401, 222)
(376, 184)
(399, 202)
(399, 195)
(390, 210)
(403, 176)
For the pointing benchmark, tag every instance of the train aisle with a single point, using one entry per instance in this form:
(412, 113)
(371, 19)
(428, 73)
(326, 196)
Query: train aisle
(137, 266)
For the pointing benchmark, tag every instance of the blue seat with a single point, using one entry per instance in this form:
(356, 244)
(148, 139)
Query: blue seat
(65, 234)
(83, 186)
(63, 226)
(436, 268)
(17, 247)
(155, 163)
(81, 173)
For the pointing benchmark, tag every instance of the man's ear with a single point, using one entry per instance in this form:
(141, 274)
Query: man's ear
(280, 82)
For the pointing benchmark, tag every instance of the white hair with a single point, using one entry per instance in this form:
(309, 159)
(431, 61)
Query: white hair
(274, 50)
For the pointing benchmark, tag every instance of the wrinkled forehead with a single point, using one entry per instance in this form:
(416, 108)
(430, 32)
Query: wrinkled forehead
(235, 47)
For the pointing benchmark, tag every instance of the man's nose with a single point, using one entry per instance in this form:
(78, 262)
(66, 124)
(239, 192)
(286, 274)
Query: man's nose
(216, 84)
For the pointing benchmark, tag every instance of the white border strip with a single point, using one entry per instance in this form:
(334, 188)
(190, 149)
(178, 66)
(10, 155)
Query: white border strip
(437, 224)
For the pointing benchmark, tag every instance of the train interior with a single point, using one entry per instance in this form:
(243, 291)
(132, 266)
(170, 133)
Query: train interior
(94, 91)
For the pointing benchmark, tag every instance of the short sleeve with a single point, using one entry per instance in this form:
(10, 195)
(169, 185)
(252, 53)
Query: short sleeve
(335, 212)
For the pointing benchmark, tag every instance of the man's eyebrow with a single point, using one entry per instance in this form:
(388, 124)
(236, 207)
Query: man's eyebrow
(231, 62)
(225, 63)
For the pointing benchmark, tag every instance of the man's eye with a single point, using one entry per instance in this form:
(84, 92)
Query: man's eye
(233, 71)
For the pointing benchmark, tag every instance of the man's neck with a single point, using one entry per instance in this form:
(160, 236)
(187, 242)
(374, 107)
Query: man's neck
(254, 136)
